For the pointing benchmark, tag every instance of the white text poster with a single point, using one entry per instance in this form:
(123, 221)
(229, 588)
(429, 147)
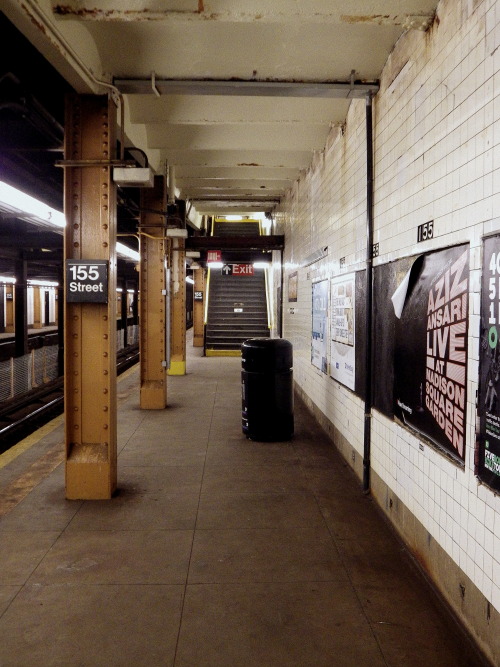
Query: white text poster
(342, 358)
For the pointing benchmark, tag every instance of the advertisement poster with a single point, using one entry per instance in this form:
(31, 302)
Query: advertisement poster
(293, 284)
(319, 325)
(430, 360)
(342, 352)
(488, 459)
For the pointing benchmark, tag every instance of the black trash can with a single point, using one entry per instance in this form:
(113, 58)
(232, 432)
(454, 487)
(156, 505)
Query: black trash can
(267, 389)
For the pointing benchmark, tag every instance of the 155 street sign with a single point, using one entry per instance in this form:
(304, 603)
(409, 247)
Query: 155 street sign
(87, 281)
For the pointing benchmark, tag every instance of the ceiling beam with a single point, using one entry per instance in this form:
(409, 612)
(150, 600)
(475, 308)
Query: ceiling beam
(314, 89)
(174, 12)
(255, 242)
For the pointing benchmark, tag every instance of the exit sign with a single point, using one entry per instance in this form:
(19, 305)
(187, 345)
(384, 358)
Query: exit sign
(238, 270)
(214, 255)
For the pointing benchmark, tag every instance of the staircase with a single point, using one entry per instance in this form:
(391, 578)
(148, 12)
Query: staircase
(237, 310)
(243, 228)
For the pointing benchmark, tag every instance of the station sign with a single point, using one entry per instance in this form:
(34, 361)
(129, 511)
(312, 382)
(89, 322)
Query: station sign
(238, 270)
(87, 281)
(198, 296)
(214, 255)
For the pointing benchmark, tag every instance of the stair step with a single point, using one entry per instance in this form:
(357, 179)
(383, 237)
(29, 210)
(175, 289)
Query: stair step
(227, 329)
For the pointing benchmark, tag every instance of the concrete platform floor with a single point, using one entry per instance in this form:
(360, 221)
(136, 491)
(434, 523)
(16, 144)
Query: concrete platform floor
(216, 550)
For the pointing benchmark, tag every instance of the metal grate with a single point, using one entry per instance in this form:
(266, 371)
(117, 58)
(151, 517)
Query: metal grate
(22, 374)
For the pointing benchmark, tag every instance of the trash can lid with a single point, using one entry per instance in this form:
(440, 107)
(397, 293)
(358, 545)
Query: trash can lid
(266, 354)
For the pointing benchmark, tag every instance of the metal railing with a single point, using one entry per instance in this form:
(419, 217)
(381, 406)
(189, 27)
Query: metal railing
(21, 374)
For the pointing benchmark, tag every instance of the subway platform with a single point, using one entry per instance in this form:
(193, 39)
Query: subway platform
(216, 550)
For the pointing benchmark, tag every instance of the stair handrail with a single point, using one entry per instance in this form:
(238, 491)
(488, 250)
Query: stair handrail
(268, 301)
(207, 292)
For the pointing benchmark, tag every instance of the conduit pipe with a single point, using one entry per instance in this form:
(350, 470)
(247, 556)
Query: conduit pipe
(39, 18)
(369, 294)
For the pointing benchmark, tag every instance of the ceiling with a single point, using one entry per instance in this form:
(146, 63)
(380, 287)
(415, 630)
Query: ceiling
(232, 98)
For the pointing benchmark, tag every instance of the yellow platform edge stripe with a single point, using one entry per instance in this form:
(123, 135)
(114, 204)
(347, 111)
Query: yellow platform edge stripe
(223, 353)
(30, 440)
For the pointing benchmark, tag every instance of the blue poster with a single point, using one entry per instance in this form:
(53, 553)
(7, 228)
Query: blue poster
(319, 325)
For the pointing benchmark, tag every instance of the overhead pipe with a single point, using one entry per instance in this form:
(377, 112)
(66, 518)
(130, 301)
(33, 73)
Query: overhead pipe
(369, 294)
(39, 18)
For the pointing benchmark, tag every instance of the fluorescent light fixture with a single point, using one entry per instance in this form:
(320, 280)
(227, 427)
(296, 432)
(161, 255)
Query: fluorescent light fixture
(131, 291)
(7, 281)
(122, 249)
(42, 283)
(261, 265)
(25, 207)
(133, 177)
(215, 265)
(175, 232)
(28, 208)
(266, 224)
(234, 218)
(189, 280)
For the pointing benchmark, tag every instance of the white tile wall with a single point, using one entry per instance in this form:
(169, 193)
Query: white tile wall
(437, 156)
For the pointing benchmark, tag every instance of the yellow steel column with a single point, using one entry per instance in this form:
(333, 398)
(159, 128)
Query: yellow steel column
(199, 307)
(37, 310)
(178, 308)
(90, 328)
(9, 310)
(153, 289)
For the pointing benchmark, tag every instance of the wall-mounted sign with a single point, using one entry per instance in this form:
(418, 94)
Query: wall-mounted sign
(237, 270)
(87, 281)
(293, 286)
(214, 255)
(488, 407)
(319, 338)
(198, 296)
(425, 231)
(342, 335)
(430, 363)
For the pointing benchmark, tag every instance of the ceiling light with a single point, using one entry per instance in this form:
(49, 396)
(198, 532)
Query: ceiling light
(261, 265)
(42, 283)
(23, 206)
(133, 177)
(189, 280)
(215, 265)
(122, 249)
(28, 208)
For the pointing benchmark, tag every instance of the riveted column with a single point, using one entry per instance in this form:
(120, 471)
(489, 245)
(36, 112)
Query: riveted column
(9, 309)
(21, 308)
(37, 307)
(90, 328)
(123, 311)
(153, 301)
(2, 308)
(199, 308)
(178, 309)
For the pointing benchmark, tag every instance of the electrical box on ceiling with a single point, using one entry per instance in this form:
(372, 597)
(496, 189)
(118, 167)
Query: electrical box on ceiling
(133, 177)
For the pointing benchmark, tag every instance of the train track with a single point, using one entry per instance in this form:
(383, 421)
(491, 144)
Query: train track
(24, 414)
